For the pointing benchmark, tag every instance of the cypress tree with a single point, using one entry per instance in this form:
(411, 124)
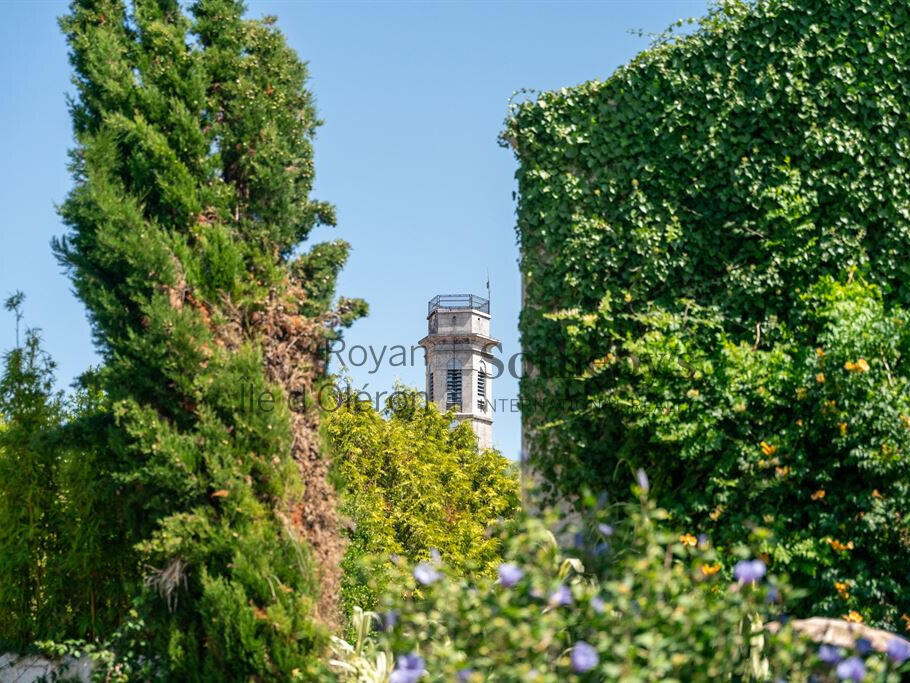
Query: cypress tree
(193, 168)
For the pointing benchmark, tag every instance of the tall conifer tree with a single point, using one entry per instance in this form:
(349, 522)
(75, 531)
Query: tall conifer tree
(193, 168)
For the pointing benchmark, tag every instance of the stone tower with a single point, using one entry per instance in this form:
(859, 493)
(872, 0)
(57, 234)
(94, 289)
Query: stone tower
(459, 360)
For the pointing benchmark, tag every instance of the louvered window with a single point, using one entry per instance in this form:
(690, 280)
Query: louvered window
(453, 385)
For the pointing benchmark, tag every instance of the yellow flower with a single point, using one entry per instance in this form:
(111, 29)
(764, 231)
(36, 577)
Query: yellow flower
(819, 352)
(689, 540)
(782, 471)
(818, 495)
(876, 494)
(820, 378)
(842, 589)
(692, 393)
(716, 513)
(854, 617)
(767, 448)
(843, 428)
(710, 569)
(801, 393)
(799, 423)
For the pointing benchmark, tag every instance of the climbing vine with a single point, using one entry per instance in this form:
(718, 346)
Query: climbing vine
(715, 247)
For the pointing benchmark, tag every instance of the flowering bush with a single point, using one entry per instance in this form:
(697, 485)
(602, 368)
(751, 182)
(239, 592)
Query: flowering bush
(631, 601)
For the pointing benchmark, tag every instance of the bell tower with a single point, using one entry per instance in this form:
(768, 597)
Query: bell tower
(459, 355)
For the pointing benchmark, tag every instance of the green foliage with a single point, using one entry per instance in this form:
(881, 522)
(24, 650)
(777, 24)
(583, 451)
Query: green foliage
(120, 659)
(193, 168)
(61, 542)
(411, 484)
(652, 605)
(29, 505)
(691, 230)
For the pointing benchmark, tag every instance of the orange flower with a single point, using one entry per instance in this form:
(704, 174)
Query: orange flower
(689, 540)
(906, 621)
(859, 366)
(820, 378)
(716, 513)
(710, 569)
(853, 617)
(842, 588)
(840, 547)
(606, 360)
(767, 448)
(782, 471)
(819, 352)
(876, 494)
(799, 423)
(818, 495)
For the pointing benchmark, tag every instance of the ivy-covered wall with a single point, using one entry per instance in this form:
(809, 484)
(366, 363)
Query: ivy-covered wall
(716, 247)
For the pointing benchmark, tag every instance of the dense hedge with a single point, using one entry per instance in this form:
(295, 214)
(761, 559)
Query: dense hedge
(715, 245)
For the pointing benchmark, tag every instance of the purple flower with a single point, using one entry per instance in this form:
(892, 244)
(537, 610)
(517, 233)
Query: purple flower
(584, 657)
(898, 650)
(393, 558)
(408, 668)
(426, 574)
(747, 571)
(435, 556)
(464, 675)
(863, 646)
(509, 574)
(597, 604)
(829, 654)
(851, 669)
(561, 597)
(642, 479)
(389, 620)
(605, 529)
(772, 595)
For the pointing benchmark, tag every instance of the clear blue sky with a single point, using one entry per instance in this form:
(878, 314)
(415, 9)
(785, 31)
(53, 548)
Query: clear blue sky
(413, 96)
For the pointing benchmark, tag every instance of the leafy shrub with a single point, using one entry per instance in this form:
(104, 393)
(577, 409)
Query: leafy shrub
(412, 483)
(29, 500)
(692, 229)
(649, 605)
